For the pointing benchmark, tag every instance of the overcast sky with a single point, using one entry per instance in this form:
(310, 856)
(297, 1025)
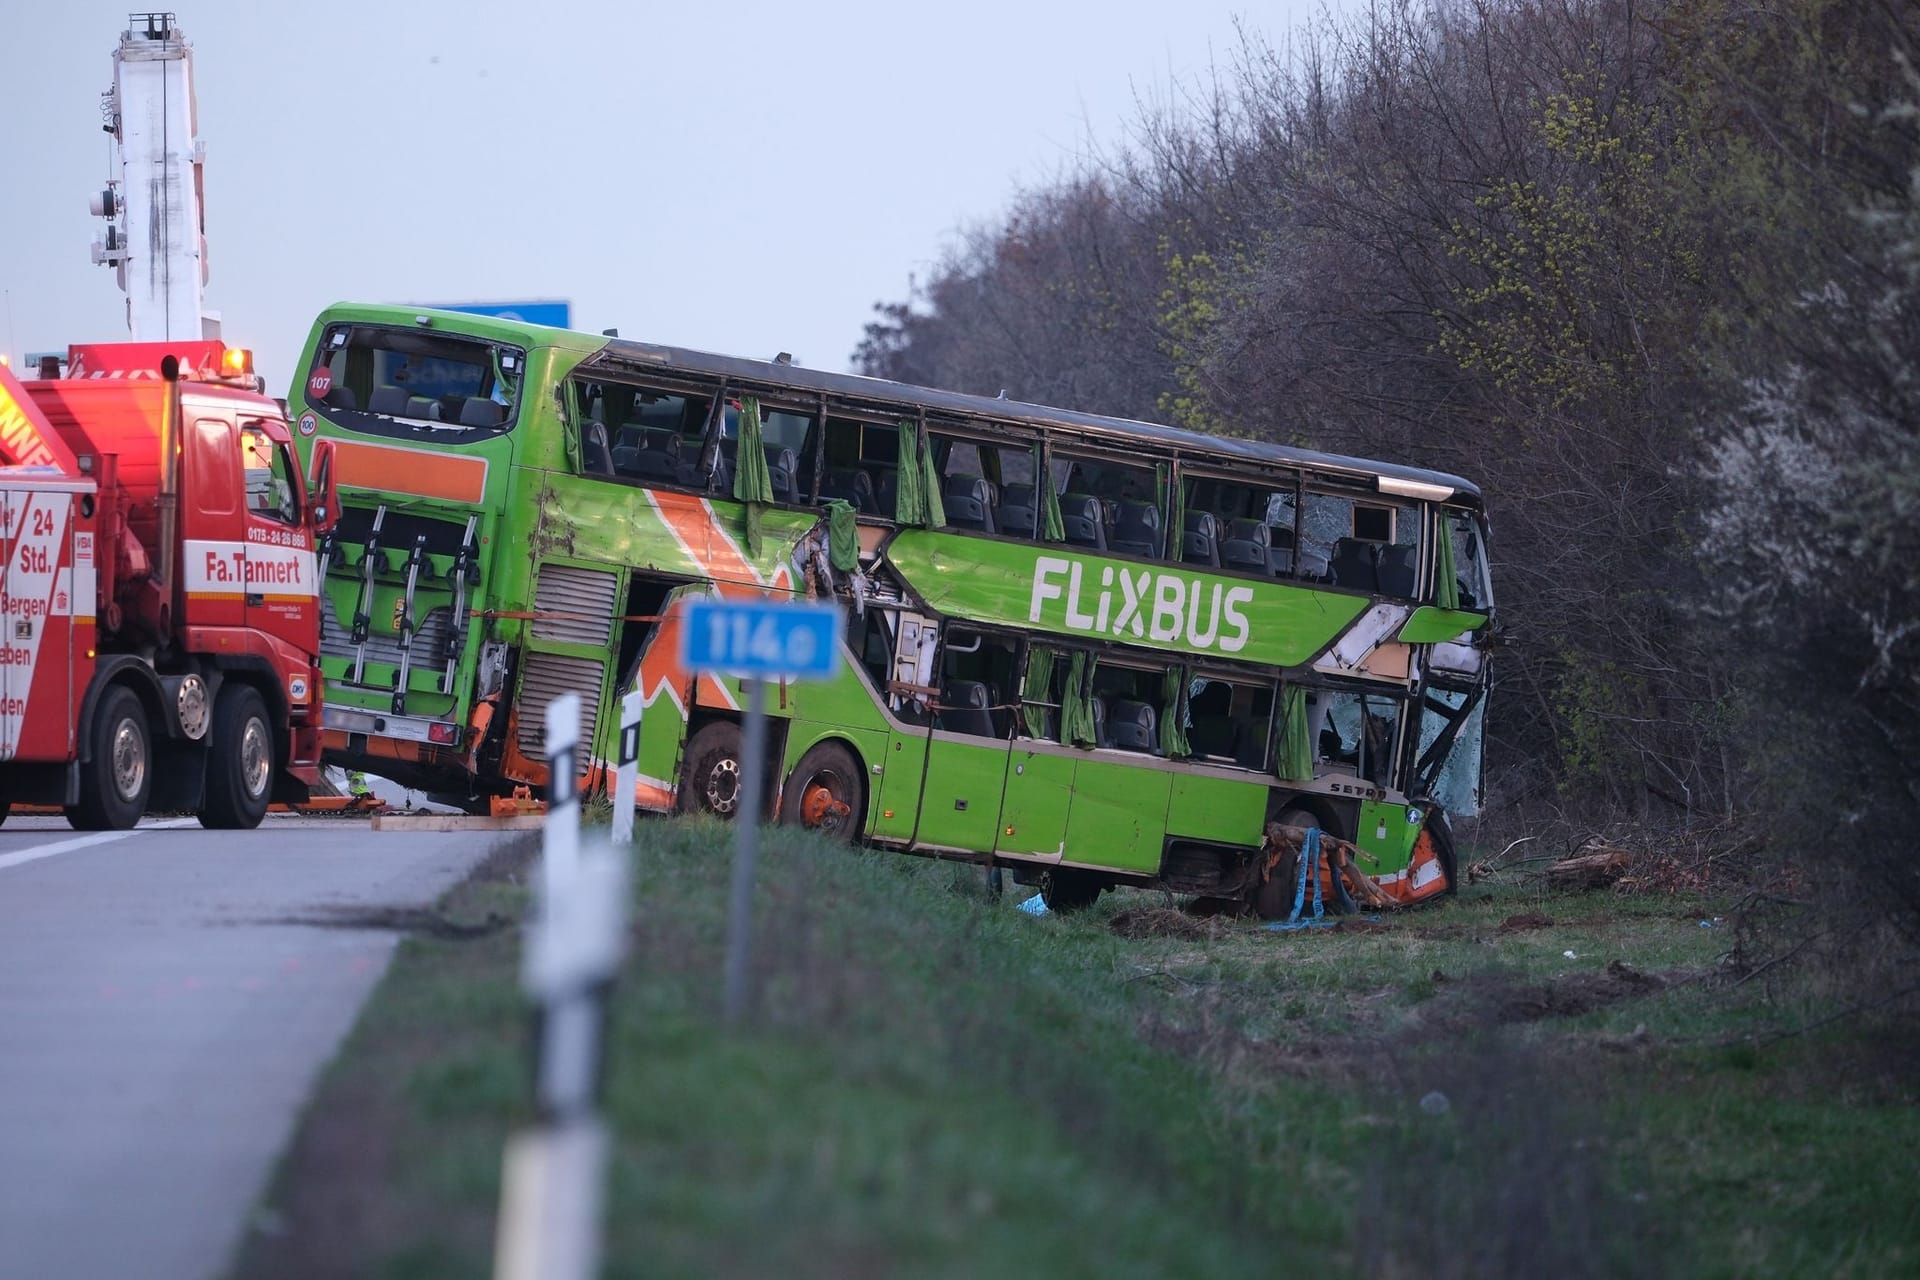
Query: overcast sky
(741, 177)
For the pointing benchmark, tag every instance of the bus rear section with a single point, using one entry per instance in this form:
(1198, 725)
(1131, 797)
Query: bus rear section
(422, 424)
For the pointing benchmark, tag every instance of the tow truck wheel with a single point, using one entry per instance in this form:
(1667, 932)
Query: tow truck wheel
(114, 784)
(240, 762)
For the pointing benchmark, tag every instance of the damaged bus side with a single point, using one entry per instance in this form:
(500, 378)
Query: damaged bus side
(1097, 652)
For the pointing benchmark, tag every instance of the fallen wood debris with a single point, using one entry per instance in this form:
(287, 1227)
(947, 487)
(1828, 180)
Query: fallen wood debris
(1594, 869)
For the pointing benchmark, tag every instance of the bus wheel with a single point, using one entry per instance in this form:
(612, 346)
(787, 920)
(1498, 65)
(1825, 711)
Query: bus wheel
(1063, 889)
(1273, 897)
(240, 764)
(823, 793)
(115, 783)
(710, 781)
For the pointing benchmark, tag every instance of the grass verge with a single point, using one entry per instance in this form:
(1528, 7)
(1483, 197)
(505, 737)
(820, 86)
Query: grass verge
(937, 1084)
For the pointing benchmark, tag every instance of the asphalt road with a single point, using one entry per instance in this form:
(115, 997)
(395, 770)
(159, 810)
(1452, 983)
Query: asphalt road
(163, 1016)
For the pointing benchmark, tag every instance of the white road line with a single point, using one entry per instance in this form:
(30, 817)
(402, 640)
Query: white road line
(84, 842)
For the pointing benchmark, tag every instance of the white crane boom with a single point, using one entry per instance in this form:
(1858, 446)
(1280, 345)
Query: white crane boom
(155, 208)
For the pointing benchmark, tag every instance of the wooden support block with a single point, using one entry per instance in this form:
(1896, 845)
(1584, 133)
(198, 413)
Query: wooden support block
(454, 822)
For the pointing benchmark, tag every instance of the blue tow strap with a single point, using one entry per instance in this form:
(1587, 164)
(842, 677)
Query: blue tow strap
(1310, 858)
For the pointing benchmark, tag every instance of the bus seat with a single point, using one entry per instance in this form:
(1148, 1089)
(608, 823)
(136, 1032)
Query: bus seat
(969, 503)
(1200, 541)
(1085, 520)
(341, 396)
(662, 439)
(651, 464)
(1250, 742)
(1100, 738)
(388, 400)
(780, 469)
(1397, 571)
(1136, 530)
(1246, 547)
(1132, 726)
(1016, 512)
(478, 411)
(1210, 736)
(850, 484)
(1280, 535)
(599, 458)
(883, 493)
(1353, 565)
(1314, 568)
(965, 708)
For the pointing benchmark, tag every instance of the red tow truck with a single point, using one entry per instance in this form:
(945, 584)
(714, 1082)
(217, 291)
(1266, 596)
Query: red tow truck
(159, 620)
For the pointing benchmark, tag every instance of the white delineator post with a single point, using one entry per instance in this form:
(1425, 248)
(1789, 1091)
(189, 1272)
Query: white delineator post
(552, 1188)
(626, 772)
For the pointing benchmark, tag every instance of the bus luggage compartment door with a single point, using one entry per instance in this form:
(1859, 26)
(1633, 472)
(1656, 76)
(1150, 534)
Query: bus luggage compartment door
(1119, 817)
(960, 803)
(1038, 794)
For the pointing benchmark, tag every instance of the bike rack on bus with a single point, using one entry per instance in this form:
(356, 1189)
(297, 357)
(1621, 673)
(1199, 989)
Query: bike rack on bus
(406, 627)
(364, 615)
(463, 564)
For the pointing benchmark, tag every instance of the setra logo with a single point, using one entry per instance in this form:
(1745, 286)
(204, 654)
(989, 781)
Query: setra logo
(1161, 607)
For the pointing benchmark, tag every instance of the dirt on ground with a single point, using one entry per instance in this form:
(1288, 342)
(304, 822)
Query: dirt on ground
(1168, 922)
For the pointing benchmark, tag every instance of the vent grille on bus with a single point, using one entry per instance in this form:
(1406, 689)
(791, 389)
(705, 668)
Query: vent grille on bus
(583, 599)
(429, 642)
(546, 676)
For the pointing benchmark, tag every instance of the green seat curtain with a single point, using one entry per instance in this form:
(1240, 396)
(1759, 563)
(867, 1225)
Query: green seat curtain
(930, 483)
(1076, 705)
(916, 486)
(1446, 579)
(1173, 715)
(909, 489)
(570, 438)
(1052, 527)
(751, 483)
(843, 536)
(1037, 688)
(1296, 747)
(1177, 521)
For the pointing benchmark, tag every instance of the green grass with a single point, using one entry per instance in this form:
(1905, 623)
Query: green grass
(936, 1084)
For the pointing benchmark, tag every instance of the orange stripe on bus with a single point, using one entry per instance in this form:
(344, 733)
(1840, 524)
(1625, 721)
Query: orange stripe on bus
(694, 521)
(414, 471)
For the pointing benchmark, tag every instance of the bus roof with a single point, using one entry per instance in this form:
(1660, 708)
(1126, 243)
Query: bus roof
(643, 357)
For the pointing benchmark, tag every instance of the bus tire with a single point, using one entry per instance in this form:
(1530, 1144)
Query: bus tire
(240, 764)
(115, 783)
(826, 793)
(1273, 897)
(710, 780)
(1065, 890)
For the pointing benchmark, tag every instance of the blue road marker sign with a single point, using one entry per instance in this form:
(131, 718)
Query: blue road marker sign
(762, 639)
(555, 312)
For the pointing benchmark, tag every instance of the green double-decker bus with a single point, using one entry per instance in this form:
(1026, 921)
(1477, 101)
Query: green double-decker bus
(1095, 651)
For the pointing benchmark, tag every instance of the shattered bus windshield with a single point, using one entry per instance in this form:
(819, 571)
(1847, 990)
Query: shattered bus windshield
(415, 385)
